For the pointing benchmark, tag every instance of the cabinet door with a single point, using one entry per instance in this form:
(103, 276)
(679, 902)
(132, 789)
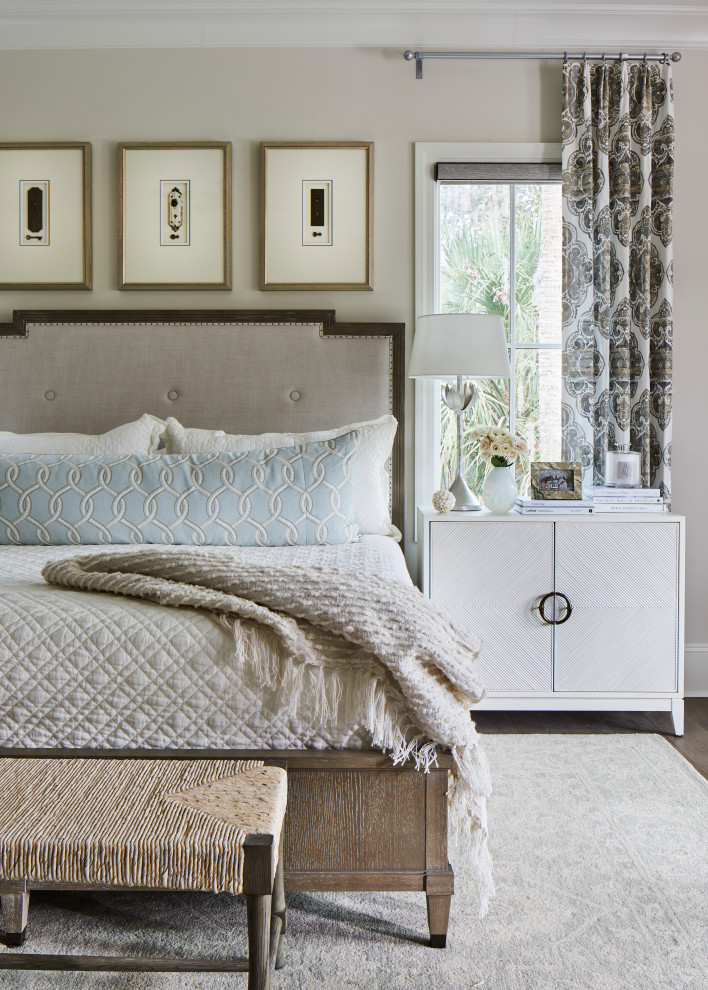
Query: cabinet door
(490, 575)
(622, 582)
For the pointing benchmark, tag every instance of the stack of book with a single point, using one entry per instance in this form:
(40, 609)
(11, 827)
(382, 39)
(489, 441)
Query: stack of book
(597, 500)
(555, 506)
(616, 499)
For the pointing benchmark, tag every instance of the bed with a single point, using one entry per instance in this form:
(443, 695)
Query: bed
(161, 685)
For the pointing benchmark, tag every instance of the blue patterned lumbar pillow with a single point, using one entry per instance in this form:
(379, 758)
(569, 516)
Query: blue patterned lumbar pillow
(282, 497)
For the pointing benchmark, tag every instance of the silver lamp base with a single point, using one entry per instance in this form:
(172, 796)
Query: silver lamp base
(458, 400)
(465, 499)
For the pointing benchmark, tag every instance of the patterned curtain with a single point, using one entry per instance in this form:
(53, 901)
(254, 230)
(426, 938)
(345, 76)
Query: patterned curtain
(618, 163)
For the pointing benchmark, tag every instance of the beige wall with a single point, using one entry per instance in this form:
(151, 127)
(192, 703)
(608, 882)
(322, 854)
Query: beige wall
(246, 96)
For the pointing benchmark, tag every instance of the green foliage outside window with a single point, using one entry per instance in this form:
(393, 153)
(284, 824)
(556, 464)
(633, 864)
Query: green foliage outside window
(475, 273)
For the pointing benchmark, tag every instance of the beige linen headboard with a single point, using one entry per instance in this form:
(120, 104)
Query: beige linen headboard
(242, 371)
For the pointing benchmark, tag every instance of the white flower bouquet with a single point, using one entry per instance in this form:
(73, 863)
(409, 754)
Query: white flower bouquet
(499, 445)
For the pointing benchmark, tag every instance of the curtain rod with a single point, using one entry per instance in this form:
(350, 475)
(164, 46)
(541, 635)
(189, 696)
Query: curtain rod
(409, 56)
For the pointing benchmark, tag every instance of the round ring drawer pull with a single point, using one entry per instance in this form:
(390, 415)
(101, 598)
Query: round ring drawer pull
(566, 603)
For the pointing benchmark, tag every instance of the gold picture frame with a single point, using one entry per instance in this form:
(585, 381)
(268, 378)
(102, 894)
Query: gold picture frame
(317, 215)
(45, 215)
(556, 479)
(174, 206)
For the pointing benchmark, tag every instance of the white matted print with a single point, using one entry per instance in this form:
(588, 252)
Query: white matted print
(45, 203)
(317, 215)
(175, 195)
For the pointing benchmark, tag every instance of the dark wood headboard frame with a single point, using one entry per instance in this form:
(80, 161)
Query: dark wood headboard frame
(330, 328)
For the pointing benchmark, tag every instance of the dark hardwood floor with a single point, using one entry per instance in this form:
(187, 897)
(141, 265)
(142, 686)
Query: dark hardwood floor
(693, 745)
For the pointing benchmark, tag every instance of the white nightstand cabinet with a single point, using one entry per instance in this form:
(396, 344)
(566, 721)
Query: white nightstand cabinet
(510, 579)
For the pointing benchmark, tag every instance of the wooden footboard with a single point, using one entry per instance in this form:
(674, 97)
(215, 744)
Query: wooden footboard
(354, 821)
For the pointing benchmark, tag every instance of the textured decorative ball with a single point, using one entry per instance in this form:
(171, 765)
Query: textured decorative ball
(443, 501)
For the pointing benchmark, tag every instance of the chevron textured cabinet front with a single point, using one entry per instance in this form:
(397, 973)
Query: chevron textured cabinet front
(619, 648)
(480, 573)
(622, 580)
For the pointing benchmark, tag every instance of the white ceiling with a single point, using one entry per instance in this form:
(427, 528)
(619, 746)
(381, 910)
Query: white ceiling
(424, 24)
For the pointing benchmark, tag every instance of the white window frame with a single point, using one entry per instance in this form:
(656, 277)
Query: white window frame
(427, 276)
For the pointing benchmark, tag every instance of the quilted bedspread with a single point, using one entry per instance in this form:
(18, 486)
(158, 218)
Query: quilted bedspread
(92, 670)
(376, 649)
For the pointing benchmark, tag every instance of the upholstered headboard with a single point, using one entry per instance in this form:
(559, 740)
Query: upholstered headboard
(242, 371)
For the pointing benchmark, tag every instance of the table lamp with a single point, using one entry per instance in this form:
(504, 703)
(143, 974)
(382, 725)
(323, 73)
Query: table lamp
(460, 345)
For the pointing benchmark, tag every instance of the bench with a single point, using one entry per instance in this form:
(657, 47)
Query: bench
(141, 824)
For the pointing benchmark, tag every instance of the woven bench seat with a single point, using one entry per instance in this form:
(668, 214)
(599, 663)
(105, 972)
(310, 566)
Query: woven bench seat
(198, 825)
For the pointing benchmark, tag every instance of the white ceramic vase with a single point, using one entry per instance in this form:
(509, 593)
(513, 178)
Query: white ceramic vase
(499, 490)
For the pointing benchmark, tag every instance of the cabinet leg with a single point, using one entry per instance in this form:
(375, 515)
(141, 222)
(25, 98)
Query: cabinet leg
(677, 716)
(438, 917)
(14, 917)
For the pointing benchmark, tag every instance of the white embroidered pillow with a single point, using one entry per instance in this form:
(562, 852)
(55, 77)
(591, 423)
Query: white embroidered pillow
(372, 482)
(142, 436)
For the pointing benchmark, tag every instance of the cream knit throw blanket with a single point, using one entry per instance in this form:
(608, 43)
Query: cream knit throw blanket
(378, 653)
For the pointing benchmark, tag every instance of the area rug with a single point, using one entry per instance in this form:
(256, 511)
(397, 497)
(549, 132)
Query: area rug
(600, 847)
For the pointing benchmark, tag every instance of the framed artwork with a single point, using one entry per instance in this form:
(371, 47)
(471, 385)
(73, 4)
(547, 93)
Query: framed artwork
(317, 215)
(175, 215)
(556, 479)
(45, 215)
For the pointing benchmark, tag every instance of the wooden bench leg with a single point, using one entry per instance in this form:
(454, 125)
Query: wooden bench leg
(258, 908)
(278, 909)
(438, 917)
(14, 917)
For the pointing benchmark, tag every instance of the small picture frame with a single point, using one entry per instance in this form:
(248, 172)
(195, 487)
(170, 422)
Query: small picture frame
(175, 215)
(317, 215)
(45, 215)
(556, 479)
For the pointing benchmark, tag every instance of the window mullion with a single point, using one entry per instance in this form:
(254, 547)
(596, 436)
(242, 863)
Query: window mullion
(512, 306)
(531, 346)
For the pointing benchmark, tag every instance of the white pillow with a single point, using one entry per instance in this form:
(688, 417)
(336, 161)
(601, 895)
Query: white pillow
(139, 437)
(372, 483)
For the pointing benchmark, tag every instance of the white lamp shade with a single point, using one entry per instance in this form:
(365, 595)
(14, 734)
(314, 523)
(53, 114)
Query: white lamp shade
(469, 344)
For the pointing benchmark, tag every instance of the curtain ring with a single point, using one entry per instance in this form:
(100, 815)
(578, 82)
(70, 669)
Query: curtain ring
(645, 58)
(585, 61)
(565, 58)
(604, 57)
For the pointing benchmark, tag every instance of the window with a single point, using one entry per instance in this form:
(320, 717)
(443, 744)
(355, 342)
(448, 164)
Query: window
(495, 247)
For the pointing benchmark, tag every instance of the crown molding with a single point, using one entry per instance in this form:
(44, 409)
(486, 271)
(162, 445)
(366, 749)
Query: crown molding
(423, 24)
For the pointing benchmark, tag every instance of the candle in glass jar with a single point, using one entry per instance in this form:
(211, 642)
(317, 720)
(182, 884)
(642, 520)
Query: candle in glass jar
(623, 468)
